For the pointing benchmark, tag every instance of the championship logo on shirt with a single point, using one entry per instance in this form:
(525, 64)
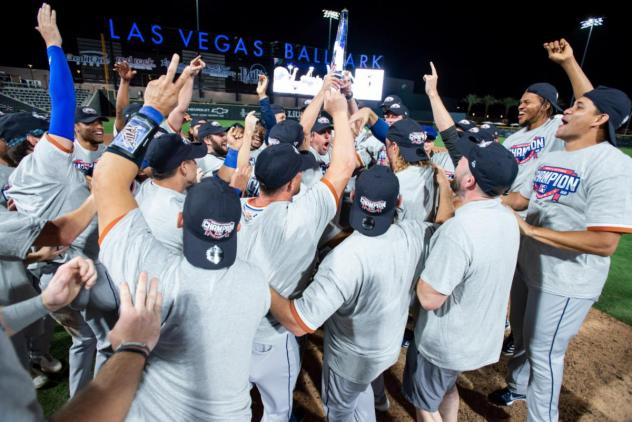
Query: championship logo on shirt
(554, 182)
(83, 166)
(528, 150)
(217, 230)
(373, 207)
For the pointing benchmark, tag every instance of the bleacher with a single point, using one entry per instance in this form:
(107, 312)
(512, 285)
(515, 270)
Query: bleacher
(36, 96)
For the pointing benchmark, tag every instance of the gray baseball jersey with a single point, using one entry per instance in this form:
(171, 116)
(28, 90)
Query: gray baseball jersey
(365, 305)
(84, 159)
(199, 369)
(417, 189)
(370, 149)
(160, 207)
(528, 146)
(281, 239)
(472, 261)
(588, 189)
(5, 172)
(443, 160)
(209, 164)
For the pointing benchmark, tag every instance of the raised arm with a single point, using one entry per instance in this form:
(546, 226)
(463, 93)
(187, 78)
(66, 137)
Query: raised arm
(126, 74)
(63, 230)
(445, 210)
(61, 88)
(176, 117)
(560, 52)
(118, 166)
(313, 109)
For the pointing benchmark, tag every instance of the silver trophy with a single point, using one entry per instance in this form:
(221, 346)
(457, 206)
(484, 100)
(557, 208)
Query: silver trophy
(340, 45)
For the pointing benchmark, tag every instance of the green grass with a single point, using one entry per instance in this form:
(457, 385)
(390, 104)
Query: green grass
(53, 396)
(109, 125)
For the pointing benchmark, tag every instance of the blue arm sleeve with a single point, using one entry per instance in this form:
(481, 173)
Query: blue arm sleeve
(62, 95)
(379, 130)
(266, 113)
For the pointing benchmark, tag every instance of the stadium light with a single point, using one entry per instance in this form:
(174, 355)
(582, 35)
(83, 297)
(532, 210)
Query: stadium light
(589, 23)
(331, 15)
(31, 68)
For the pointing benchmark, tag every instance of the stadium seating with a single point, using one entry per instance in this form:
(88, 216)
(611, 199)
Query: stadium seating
(37, 97)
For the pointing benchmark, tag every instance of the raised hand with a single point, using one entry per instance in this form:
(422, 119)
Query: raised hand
(47, 26)
(139, 321)
(431, 80)
(335, 102)
(125, 72)
(262, 85)
(251, 122)
(67, 282)
(240, 178)
(196, 66)
(162, 94)
(559, 51)
(235, 137)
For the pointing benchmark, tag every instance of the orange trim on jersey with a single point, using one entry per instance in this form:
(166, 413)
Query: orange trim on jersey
(298, 319)
(54, 142)
(109, 227)
(613, 229)
(333, 190)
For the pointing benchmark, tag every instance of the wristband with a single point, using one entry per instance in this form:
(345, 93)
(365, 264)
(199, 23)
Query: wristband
(231, 158)
(132, 141)
(134, 347)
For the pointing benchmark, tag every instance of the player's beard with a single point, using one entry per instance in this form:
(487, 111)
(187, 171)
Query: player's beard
(455, 186)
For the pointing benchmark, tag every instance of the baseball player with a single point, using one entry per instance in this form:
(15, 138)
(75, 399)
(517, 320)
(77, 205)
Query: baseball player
(290, 226)
(213, 134)
(363, 306)
(204, 305)
(464, 286)
(578, 208)
(88, 144)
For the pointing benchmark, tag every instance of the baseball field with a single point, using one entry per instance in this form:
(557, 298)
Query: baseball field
(597, 380)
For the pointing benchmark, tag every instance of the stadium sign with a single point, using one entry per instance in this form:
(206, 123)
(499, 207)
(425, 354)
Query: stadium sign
(225, 44)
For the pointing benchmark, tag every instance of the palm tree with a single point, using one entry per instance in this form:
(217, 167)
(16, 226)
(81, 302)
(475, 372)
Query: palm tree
(509, 102)
(488, 100)
(471, 100)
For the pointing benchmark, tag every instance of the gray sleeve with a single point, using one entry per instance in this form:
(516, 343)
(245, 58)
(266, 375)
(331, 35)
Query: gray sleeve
(20, 315)
(335, 283)
(312, 211)
(50, 161)
(610, 203)
(447, 263)
(450, 138)
(17, 233)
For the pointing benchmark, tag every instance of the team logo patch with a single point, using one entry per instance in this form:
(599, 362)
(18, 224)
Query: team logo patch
(88, 110)
(388, 99)
(465, 122)
(273, 141)
(215, 123)
(396, 106)
(129, 136)
(323, 120)
(217, 230)
(373, 207)
(214, 254)
(528, 150)
(82, 165)
(555, 182)
(417, 138)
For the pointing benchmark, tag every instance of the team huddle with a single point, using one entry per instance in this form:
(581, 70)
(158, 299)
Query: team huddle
(266, 231)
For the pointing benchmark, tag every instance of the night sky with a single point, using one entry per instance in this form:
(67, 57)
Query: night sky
(487, 49)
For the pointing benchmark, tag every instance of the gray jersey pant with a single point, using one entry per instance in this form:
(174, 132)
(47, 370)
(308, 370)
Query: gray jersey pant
(543, 324)
(274, 369)
(345, 400)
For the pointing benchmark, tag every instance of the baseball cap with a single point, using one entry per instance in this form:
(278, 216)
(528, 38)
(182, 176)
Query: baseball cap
(88, 115)
(409, 137)
(166, 152)
(614, 103)
(431, 132)
(375, 201)
(464, 124)
(211, 214)
(397, 109)
(278, 164)
(546, 91)
(321, 124)
(276, 109)
(477, 135)
(130, 110)
(493, 166)
(491, 128)
(238, 125)
(305, 104)
(210, 128)
(198, 121)
(390, 99)
(286, 132)
(14, 127)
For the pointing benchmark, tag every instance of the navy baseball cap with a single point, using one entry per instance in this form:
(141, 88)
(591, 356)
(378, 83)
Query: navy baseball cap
(390, 99)
(613, 102)
(322, 123)
(130, 110)
(409, 137)
(278, 164)
(210, 128)
(286, 132)
(88, 115)
(166, 152)
(431, 132)
(198, 121)
(493, 166)
(464, 124)
(375, 201)
(478, 135)
(546, 91)
(276, 109)
(14, 127)
(397, 109)
(491, 128)
(305, 104)
(211, 214)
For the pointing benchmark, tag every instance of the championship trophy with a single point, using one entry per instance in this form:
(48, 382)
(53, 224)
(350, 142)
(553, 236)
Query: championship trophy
(340, 46)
